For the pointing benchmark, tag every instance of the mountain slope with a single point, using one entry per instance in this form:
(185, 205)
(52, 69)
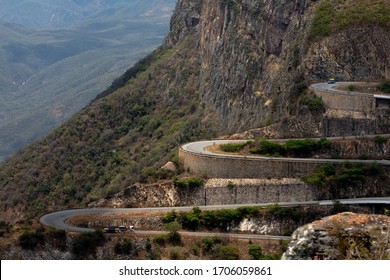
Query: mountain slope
(225, 66)
(47, 76)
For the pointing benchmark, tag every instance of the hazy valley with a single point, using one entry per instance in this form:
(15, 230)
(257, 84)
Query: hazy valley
(50, 71)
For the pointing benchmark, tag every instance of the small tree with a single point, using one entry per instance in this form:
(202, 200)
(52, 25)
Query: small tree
(255, 252)
(30, 240)
(85, 244)
(174, 236)
(227, 252)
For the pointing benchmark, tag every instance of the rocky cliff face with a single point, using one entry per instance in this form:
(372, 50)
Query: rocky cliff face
(355, 54)
(249, 57)
(343, 236)
(256, 56)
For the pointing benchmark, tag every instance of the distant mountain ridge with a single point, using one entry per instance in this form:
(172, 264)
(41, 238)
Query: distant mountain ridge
(56, 14)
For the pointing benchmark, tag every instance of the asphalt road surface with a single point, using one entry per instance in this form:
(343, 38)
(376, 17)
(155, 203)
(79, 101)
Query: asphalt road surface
(59, 219)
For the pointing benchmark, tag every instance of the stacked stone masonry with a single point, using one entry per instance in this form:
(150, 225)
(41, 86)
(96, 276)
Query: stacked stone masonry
(351, 102)
(219, 191)
(222, 167)
(353, 113)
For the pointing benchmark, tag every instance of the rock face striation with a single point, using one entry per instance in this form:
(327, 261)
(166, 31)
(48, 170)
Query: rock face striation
(342, 236)
(255, 57)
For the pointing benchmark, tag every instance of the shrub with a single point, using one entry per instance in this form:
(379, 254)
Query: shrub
(332, 16)
(227, 252)
(160, 239)
(194, 182)
(173, 235)
(177, 253)
(301, 147)
(248, 211)
(380, 139)
(191, 183)
(269, 148)
(352, 87)
(321, 25)
(191, 220)
(209, 242)
(230, 185)
(282, 212)
(296, 148)
(349, 174)
(255, 252)
(86, 244)
(5, 227)
(30, 240)
(324, 143)
(58, 237)
(313, 103)
(124, 248)
(181, 184)
(338, 208)
(169, 217)
(234, 147)
(385, 86)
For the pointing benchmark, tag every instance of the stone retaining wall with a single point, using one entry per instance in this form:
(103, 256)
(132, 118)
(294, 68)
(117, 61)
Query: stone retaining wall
(247, 191)
(351, 102)
(219, 191)
(222, 167)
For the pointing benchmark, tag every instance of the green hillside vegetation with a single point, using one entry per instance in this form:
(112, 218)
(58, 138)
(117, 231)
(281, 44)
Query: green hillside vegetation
(332, 180)
(331, 16)
(292, 148)
(112, 143)
(47, 76)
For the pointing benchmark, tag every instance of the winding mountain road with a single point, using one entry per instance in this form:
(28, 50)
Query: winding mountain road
(59, 219)
(200, 148)
(332, 87)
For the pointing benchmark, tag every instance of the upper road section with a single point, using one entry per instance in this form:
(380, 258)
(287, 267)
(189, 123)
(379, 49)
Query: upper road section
(352, 103)
(332, 87)
(202, 162)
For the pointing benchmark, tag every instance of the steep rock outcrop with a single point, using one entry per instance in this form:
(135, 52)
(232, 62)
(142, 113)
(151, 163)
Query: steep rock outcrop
(250, 58)
(343, 236)
(357, 53)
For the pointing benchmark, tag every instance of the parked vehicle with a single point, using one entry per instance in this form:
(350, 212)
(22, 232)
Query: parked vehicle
(332, 81)
(114, 229)
(111, 229)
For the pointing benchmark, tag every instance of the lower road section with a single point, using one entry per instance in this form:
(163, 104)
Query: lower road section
(59, 219)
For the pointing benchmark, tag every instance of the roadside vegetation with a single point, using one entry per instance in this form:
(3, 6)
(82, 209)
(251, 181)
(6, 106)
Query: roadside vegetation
(123, 137)
(333, 180)
(188, 183)
(210, 220)
(291, 148)
(234, 147)
(333, 16)
(384, 86)
(85, 245)
(227, 219)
